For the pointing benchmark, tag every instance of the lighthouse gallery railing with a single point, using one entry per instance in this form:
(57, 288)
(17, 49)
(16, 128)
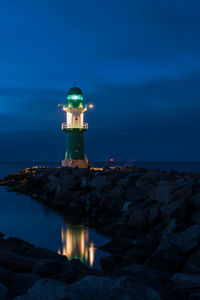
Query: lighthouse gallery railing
(69, 126)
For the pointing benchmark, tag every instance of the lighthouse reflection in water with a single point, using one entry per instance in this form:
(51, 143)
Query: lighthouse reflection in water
(75, 244)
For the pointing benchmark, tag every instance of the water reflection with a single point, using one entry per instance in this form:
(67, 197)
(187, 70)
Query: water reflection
(75, 244)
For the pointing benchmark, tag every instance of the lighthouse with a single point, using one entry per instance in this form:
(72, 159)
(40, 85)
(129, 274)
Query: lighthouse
(75, 128)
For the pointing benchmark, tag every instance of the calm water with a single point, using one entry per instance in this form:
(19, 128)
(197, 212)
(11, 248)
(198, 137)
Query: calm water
(23, 217)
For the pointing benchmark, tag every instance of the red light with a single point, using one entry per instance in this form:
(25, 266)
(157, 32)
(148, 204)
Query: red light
(111, 159)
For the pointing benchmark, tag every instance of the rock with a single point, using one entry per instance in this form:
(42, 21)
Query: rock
(50, 187)
(45, 289)
(85, 182)
(43, 253)
(117, 246)
(112, 262)
(138, 193)
(175, 209)
(164, 193)
(152, 176)
(46, 268)
(143, 247)
(192, 265)
(171, 227)
(111, 201)
(3, 292)
(65, 173)
(74, 270)
(116, 203)
(139, 219)
(186, 280)
(17, 283)
(183, 192)
(186, 240)
(154, 214)
(194, 295)
(93, 287)
(166, 257)
(129, 180)
(126, 206)
(88, 201)
(17, 245)
(159, 281)
(195, 218)
(15, 262)
(101, 183)
(68, 182)
(105, 288)
(195, 201)
(21, 283)
(52, 178)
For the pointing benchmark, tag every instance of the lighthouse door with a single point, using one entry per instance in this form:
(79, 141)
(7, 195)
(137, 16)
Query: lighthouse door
(76, 120)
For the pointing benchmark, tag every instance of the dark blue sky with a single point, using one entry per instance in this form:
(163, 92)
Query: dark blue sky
(138, 61)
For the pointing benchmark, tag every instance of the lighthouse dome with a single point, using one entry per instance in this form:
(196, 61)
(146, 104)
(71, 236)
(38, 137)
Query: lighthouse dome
(75, 91)
(75, 98)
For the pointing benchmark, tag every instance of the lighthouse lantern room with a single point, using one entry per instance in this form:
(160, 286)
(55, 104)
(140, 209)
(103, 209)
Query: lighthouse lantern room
(75, 128)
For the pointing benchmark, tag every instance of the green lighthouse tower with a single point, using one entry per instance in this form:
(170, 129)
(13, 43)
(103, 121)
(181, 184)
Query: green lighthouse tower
(75, 128)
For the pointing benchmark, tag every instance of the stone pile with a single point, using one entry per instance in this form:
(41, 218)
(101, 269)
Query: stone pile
(153, 216)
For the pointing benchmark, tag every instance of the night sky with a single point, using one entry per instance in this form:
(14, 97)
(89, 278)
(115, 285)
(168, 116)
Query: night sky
(137, 61)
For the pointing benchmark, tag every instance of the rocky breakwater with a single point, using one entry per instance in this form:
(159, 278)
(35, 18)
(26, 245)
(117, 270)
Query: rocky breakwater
(153, 216)
(23, 266)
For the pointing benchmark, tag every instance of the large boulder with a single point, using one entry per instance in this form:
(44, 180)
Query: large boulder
(129, 180)
(53, 183)
(16, 245)
(112, 262)
(195, 218)
(117, 246)
(74, 270)
(138, 193)
(176, 209)
(138, 219)
(166, 257)
(160, 281)
(43, 253)
(152, 177)
(183, 192)
(143, 246)
(21, 283)
(165, 192)
(186, 240)
(195, 201)
(105, 288)
(101, 183)
(45, 289)
(154, 214)
(46, 268)
(15, 262)
(116, 198)
(17, 283)
(186, 280)
(3, 292)
(174, 247)
(192, 265)
(162, 193)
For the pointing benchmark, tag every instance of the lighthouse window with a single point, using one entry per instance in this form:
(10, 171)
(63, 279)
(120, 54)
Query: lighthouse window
(75, 97)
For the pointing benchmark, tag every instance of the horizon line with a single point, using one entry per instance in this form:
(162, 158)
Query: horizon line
(101, 161)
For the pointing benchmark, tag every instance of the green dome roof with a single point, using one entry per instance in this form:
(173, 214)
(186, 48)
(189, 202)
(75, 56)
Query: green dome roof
(75, 91)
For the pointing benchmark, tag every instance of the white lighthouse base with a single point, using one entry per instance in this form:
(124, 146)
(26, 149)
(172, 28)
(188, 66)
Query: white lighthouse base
(73, 163)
